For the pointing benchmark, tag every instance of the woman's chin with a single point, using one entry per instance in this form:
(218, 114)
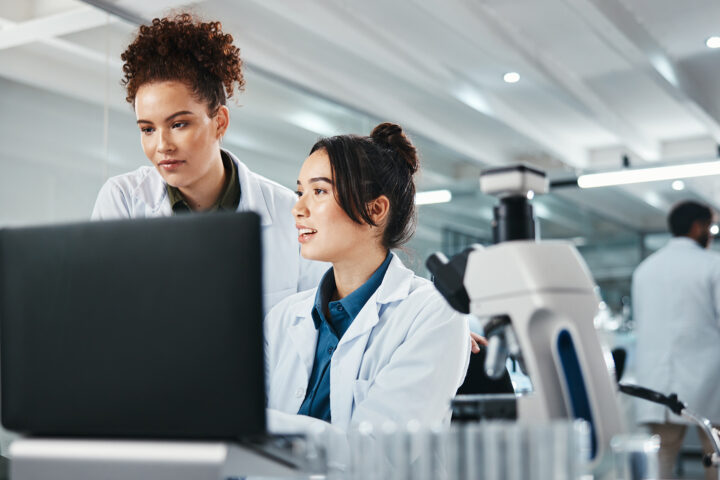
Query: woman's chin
(309, 253)
(172, 179)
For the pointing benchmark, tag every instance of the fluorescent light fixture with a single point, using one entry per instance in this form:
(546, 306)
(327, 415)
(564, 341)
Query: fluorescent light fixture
(313, 123)
(511, 77)
(473, 99)
(653, 174)
(714, 229)
(433, 196)
(678, 185)
(713, 42)
(665, 68)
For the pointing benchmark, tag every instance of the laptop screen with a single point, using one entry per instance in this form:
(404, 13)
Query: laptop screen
(133, 328)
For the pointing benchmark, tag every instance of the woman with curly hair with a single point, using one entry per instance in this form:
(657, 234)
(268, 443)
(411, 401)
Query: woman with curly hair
(178, 74)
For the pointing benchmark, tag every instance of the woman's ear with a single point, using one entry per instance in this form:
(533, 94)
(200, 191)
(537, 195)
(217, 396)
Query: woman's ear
(379, 209)
(222, 120)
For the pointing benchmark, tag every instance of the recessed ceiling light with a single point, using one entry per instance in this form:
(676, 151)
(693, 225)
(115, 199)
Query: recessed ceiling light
(713, 42)
(678, 185)
(511, 77)
(714, 229)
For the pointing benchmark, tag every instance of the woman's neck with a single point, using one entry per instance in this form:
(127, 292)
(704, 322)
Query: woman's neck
(204, 192)
(351, 272)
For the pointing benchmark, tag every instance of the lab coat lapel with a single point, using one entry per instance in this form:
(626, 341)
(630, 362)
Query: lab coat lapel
(303, 334)
(349, 354)
(395, 286)
(251, 195)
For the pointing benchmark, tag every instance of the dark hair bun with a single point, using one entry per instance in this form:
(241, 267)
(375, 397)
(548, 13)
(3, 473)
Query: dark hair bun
(187, 49)
(392, 137)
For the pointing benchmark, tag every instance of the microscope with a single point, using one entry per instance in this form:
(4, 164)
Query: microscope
(536, 301)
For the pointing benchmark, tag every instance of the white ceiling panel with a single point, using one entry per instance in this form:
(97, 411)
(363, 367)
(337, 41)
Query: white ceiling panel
(599, 79)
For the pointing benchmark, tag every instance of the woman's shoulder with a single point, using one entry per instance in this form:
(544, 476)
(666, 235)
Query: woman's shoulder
(273, 190)
(421, 292)
(287, 309)
(120, 193)
(140, 178)
(270, 189)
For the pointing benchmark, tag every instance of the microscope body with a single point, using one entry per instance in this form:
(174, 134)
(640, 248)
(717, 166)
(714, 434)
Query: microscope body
(537, 303)
(545, 296)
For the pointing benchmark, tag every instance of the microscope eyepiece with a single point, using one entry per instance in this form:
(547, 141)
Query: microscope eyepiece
(448, 277)
(513, 219)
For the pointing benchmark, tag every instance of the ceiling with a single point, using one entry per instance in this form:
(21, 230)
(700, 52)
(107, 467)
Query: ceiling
(599, 80)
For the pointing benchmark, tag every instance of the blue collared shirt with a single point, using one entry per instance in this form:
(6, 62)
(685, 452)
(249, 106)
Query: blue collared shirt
(330, 331)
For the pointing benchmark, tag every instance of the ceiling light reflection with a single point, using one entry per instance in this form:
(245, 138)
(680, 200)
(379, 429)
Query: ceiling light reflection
(313, 123)
(433, 196)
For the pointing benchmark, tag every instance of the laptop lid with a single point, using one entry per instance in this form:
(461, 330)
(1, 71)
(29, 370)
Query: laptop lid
(133, 328)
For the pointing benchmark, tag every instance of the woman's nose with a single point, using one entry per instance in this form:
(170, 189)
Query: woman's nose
(300, 209)
(165, 144)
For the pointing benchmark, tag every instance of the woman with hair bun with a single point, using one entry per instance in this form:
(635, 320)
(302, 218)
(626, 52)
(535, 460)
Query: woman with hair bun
(373, 342)
(178, 73)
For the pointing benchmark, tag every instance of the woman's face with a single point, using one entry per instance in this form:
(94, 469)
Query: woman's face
(176, 133)
(325, 232)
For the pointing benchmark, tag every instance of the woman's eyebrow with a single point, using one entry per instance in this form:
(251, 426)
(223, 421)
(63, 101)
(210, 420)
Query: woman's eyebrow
(176, 114)
(317, 179)
(183, 112)
(320, 179)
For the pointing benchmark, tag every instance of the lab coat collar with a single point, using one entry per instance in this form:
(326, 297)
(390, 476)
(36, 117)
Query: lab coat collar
(251, 196)
(396, 284)
(394, 287)
(684, 242)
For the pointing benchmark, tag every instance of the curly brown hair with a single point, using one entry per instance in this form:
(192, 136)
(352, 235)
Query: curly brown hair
(183, 48)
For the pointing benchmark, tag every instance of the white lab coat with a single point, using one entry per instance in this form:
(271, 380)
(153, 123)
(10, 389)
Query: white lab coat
(403, 357)
(142, 193)
(676, 302)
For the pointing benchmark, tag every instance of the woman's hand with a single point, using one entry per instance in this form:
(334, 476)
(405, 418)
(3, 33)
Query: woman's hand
(475, 341)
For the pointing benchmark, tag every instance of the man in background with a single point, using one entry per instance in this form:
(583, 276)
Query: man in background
(676, 299)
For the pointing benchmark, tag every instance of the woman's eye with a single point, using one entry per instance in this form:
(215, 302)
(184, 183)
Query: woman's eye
(179, 124)
(318, 191)
(298, 193)
(147, 130)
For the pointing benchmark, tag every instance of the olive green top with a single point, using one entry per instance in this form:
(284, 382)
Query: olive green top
(229, 198)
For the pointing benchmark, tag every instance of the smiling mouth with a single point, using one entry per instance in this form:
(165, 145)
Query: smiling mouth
(305, 233)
